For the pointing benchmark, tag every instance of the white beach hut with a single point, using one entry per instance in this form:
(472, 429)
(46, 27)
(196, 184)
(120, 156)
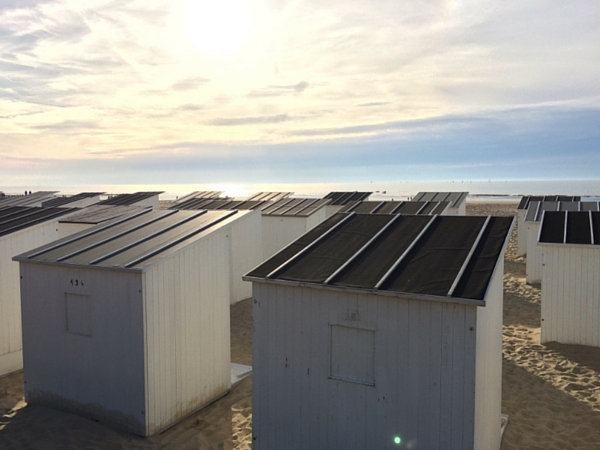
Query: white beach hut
(570, 242)
(457, 200)
(381, 331)
(533, 267)
(522, 208)
(337, 200)
(128, 322)
(286, 220)
(398, 207)
(21, 229)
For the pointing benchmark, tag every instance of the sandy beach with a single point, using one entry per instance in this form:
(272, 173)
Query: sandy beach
(551, 392)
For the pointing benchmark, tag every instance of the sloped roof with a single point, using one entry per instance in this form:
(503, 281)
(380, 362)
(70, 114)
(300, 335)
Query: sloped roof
(129, 199)
(524, 203)
(269, 196)
(16, 218)
(438, 257)
(298, 207)
(536, 209)
(65, 200)
(570, 227)
(199, 195)
(34, 199)
(95, 214)
(223, 204)
(342, 198)
(396, 207)
(132, 242)
(454, 198)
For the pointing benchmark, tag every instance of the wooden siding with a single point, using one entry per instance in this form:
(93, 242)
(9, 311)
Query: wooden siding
(521, 232)
(100, 375)
(246, 253)
(424, 376)
(187, 330)
(488, 380)
(533, 267)
(571, 294)
(10, 298)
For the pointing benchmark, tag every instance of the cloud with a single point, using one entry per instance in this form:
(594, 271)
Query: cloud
(276, 91)
(67, 126)
(252, 120)
(189, 84)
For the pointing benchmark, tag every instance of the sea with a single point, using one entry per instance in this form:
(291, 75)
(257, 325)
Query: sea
(483, 191)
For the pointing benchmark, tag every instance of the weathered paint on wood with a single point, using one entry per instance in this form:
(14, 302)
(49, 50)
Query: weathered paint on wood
(426, 371)
(571, 294)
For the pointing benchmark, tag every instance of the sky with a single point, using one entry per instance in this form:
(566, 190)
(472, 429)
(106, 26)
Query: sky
(302, 91)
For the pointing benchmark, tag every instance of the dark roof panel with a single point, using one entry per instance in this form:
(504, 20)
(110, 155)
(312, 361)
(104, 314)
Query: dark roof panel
(439, 256)
(34, 199)
(297, 207)
(570, 227)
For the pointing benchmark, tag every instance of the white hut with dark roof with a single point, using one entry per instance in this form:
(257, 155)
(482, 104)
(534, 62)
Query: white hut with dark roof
(570, 242)
(374, 331)
(21, 229)
(128, 322)
(533, 218)
(522, 209)
(339, 199)
(143, 199)
(457, 200)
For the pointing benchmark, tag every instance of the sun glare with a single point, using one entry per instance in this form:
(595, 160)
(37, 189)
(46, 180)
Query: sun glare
(219, 27)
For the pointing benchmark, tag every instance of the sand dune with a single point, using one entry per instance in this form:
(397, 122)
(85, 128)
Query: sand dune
(550, 392)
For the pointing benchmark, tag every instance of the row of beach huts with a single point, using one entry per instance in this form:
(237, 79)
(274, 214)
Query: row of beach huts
(376, 324)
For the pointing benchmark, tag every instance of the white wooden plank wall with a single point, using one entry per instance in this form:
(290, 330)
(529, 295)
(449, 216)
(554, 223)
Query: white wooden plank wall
(246, 253)
(521, 232)
(488, 381)
(279, 231)
(424, 380)
(187, 330)
(533, 267)
(571, 294)
(100, 375)
(10, 298)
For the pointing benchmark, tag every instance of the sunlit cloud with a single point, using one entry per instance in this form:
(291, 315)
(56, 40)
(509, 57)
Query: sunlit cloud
(88, 80)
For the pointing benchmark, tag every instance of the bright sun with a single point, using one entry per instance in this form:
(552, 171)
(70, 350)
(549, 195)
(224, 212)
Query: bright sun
(217, 27)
